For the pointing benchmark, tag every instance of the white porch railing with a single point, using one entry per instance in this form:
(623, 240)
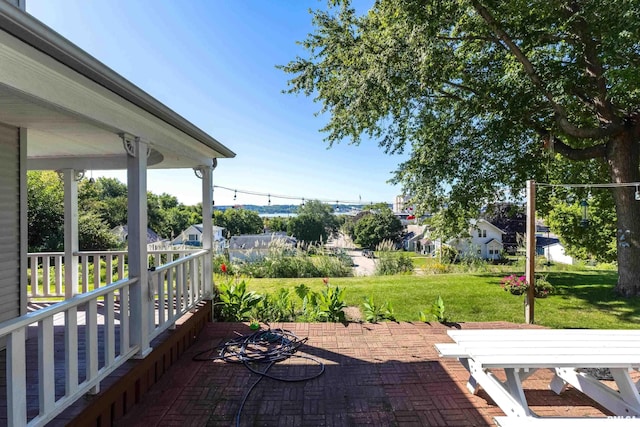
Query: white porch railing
(90, 333)
(96, 269)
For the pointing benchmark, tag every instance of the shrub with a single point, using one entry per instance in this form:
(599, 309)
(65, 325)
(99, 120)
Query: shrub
(325, 306)
(235, 302)
(276, 308)
(435, 312)
(392, 262)
(374, 313)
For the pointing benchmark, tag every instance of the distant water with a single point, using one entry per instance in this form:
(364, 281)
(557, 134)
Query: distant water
(273, 215)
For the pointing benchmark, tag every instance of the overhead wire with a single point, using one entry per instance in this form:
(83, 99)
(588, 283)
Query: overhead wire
(270, 196)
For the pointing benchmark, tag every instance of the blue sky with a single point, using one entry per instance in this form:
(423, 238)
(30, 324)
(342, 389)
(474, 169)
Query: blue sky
(213, 62)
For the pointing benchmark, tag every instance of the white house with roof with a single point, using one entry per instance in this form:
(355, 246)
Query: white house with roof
(154, 242)
(192, 235)
(484, 240)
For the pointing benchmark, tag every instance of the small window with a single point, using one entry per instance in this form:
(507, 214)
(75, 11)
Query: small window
(193, 237)
(479, 252)
(482, 233)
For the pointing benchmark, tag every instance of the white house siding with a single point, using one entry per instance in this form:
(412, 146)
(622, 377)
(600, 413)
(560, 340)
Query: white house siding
(555, 253)
(9, 222)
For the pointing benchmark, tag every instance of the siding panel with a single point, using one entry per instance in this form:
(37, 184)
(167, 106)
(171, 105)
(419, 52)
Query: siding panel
(9, 222)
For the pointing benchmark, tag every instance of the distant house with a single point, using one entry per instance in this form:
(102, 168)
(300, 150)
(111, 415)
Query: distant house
(553, 250)
(255, 246)
(192, 236)
(412, 240)
(154, 242)
(484, 241)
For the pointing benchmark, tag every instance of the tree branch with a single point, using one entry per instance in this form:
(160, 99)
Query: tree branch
(560, 113)
(554, 144)
(592, 63)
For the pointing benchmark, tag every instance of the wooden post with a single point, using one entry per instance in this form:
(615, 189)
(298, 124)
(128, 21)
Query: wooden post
(530, 272)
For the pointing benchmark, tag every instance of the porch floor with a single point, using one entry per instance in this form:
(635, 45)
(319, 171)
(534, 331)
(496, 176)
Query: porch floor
(386, 374)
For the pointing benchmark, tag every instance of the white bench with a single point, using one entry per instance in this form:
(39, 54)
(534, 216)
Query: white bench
(565, 422)
(520, 352)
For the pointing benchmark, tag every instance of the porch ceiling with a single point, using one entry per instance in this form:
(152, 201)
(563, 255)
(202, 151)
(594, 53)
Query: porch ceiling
(74, 108)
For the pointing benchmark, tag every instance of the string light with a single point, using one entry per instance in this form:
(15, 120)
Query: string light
(637, 195)
(235, 194)
(286, 197)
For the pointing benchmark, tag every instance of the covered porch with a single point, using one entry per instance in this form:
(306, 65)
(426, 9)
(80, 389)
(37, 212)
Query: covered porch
(62, 110)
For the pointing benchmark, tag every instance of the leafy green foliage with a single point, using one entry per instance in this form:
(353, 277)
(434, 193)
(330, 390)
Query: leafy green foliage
(326, 305)
(481, 94)
(374, 313)
(436, 312)
(583, 296)
(371, 230)
(390, 261)
(330, 304)
(45, 211)
(284, 263)
(276, 308)
(102, 205)
(238, 221)
(235, 302)
(307, 229)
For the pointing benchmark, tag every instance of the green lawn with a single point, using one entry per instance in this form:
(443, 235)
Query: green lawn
(583, 299)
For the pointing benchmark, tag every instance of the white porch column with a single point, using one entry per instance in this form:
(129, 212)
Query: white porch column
(71, 246)
(207, 228)
(140, 305)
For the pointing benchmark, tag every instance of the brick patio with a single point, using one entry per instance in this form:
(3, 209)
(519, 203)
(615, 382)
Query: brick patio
(386, 374)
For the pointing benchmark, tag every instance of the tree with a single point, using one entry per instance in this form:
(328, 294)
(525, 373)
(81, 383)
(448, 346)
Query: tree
(321, 212)
(45, 211)
(482, 92)
(373, 229)
(307, 228)
(275, 224)
(238, 221)
(94, 234)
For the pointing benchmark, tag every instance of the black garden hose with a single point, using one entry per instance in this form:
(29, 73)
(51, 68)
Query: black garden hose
(261, 347)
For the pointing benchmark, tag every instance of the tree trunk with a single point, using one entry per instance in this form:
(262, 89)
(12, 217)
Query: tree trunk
(623, 158)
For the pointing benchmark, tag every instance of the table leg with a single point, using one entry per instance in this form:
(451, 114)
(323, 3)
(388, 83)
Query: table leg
(605, 396)
(509, 396)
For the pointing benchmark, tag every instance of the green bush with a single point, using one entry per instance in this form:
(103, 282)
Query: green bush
(280, 263)
(374, 313)
(393, 262)
(235, 302)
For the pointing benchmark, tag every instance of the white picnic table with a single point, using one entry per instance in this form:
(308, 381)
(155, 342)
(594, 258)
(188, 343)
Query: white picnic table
(520, 352)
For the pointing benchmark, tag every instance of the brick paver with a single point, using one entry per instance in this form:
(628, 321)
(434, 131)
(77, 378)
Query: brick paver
(387, 374)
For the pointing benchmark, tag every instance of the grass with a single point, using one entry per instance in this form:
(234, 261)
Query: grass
(583, 299)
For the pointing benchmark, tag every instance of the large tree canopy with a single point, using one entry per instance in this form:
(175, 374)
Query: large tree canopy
(486, 94)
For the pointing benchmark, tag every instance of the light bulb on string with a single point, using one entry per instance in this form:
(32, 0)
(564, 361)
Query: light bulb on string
(302, 202)
(637, 195)
(269, 201)
(235, 194)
